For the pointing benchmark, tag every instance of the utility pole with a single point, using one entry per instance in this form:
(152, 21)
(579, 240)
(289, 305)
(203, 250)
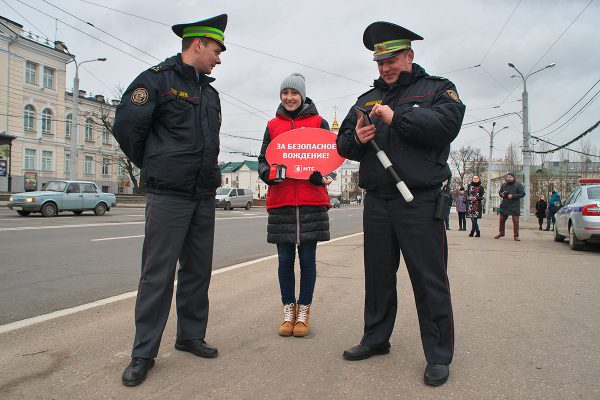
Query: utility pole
(489, 168)
(526, 151)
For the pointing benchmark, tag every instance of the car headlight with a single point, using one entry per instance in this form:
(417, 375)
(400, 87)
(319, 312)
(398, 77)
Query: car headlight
(30, 200)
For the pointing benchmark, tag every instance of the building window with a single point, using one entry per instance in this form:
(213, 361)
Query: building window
(48, 77)
(29, 159)
(68, 126)
(88, 165)
(47, 120)
(105, 166)
(105, 136)
(30, 72)
(121, 169)
(29, 118)
(89, 131)
(47, 160)
(67, 162)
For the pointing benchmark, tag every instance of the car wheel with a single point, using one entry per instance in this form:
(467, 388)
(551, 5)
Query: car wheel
(23, 213)
(228, 206)
(49, 210)
(248, 205)
(574, 243)
(100, 209)
(557, 237)
(78, 212)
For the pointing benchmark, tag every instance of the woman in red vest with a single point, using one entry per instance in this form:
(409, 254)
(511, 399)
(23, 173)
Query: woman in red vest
(297, 209)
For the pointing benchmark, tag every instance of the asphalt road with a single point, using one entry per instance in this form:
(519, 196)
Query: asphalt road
(48, 264)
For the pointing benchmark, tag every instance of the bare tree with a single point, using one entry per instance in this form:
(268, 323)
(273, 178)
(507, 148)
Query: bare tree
(465, 162)
(513, 157)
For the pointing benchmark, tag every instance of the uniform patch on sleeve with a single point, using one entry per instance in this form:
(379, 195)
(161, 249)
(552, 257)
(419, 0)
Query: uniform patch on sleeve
(139, 96)
(372, 103)
(453, 95)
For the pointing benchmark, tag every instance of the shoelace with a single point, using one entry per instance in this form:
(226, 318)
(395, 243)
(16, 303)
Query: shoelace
(302, 313)
(288, 312)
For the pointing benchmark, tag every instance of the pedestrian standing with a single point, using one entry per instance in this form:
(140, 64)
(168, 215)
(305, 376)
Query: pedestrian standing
(511, 193)
(474, 196)
(461, 209)
(415, 118)
(297, 209)
(168, 125)
(540, 210)
(554, 205)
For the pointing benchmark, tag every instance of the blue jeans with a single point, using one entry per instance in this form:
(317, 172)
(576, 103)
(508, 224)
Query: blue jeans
(307, 253)
(474, 225)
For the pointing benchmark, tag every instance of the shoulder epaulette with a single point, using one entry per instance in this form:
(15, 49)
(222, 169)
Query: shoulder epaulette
(367, 92)
(437, 78)
(160, 67)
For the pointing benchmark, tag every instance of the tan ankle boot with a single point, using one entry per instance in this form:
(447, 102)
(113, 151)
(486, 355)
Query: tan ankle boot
(301, 327)
(289, 319)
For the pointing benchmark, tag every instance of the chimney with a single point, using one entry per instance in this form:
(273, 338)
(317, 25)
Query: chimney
(81, 93)
(116, 102)
(100, 98)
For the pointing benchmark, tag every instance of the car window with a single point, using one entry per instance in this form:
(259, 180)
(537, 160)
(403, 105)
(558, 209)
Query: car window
(88, 188)
(593, 193)
(55, 186)
(73, 188)
(573, 196)
(222, 191)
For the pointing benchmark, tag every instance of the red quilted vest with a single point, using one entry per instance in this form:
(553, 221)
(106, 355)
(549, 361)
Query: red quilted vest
(295, 192)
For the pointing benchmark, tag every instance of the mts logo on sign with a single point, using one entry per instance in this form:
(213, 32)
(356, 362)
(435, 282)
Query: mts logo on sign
(300, 168)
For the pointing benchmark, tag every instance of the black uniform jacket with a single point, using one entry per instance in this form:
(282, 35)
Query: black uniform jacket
(427, 118)
(168, 125)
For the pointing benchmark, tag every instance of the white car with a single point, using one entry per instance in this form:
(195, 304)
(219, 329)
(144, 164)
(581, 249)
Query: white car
(579, 218)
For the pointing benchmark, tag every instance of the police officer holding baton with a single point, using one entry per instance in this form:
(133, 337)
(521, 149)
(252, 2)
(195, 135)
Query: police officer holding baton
(415, 118)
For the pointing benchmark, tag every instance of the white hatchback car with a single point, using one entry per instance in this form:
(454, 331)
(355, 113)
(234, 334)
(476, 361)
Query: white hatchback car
(579, 218)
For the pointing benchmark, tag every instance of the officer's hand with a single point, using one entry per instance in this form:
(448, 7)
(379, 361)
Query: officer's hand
(384, 112)
(364, 133)
(509, 196)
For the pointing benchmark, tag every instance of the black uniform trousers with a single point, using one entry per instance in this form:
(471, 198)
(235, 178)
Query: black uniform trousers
(176, 229)
(392, 227)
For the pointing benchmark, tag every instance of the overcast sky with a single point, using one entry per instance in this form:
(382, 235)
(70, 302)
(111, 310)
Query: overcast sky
(324, 39)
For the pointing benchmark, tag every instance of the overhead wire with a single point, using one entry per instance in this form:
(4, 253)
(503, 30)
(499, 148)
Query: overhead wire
(26, 20)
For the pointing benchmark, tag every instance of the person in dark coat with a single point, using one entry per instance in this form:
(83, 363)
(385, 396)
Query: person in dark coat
(474, 196)
(414, 118)
(541, 209)
(511, 192)
(297, 209)
(168, 125)
(461, 209)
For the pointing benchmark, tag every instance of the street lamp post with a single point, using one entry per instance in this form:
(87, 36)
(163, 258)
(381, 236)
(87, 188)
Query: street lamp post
(75, 111)
(75, 115)
(526, 151)
(490, 162)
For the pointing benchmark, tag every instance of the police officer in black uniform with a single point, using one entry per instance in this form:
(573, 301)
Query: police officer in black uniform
(168, 125)
(415, 118)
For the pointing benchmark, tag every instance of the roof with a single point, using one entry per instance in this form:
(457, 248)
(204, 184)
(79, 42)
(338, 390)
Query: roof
(234, 166)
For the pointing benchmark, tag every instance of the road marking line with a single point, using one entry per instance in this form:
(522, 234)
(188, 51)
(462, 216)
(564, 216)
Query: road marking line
(68, 311)
(117, 238)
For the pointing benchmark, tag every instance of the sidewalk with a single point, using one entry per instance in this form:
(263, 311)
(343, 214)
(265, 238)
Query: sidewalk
(526, 321)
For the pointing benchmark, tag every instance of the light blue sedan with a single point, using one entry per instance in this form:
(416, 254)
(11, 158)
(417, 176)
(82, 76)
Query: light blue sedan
(57, 196)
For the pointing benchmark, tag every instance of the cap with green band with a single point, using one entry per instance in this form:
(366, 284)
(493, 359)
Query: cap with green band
(212, 28)
(386, 39)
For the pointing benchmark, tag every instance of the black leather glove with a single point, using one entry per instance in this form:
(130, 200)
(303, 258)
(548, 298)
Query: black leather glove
(316, 179)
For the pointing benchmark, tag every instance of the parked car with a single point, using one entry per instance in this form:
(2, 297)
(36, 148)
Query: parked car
(229, 198)
(579, 218)
(57, 196)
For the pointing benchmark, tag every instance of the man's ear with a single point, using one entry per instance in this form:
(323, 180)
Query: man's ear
(410, 56)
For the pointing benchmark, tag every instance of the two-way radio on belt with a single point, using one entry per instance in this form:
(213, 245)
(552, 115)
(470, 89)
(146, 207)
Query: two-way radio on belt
(385, 161)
